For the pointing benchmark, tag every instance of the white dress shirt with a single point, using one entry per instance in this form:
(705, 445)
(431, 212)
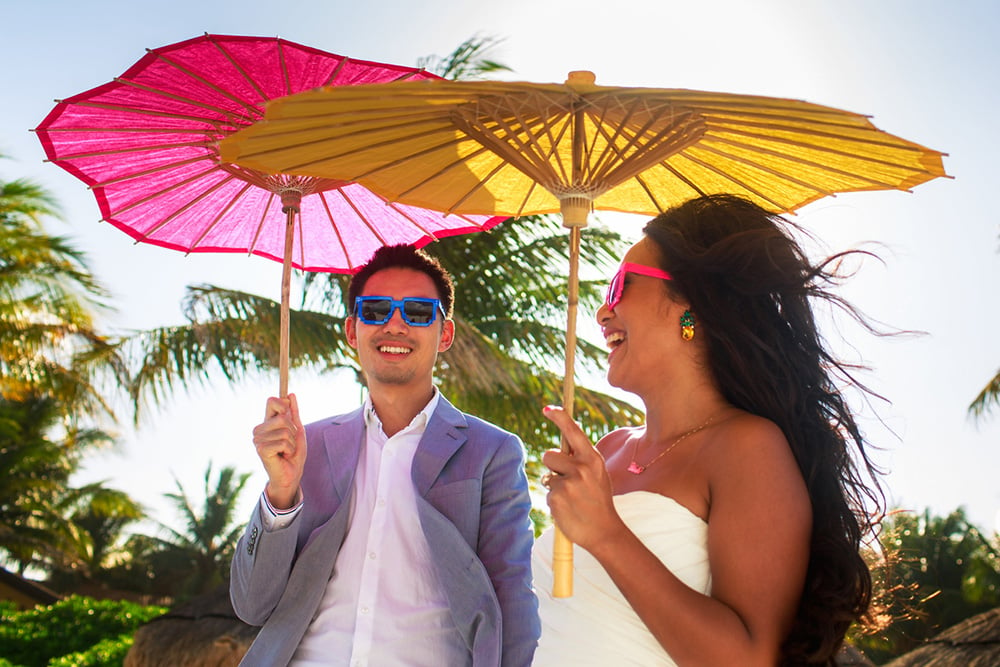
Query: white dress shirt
(384, 604)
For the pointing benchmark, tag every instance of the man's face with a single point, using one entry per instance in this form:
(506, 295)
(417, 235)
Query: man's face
(396, 353)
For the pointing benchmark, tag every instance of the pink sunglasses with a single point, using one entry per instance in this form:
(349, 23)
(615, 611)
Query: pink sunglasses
(617, 285)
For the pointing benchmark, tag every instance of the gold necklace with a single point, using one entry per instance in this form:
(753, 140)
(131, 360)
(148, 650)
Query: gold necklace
(637, 469)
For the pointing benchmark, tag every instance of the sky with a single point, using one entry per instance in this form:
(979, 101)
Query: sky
(925, 71)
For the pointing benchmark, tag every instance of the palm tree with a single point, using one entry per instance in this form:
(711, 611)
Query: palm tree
(35, 468)
(935, 572)
(48, 303)
(53, 364)
(508, 357)
(101, 514)
(196, 559)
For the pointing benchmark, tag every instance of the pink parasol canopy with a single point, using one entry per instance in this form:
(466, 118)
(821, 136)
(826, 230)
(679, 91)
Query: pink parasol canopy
(147, 146)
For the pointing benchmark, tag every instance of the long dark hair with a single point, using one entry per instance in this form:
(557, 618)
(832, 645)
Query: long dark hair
(751, 289)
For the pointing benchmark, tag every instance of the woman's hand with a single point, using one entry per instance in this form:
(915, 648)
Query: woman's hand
(579, 487)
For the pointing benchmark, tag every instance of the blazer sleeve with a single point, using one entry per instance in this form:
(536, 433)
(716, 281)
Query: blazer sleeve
(261, 567)
(505, 538)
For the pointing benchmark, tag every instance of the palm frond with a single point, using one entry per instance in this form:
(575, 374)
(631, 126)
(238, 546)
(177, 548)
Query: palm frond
(232, 332)
(467, 61)
(987, 399)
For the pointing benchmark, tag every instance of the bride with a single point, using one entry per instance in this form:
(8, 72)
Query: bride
(726, 530)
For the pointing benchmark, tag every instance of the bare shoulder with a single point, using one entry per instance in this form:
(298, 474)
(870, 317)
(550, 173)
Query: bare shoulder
(618, 438)
(748, 455)
(743, 438)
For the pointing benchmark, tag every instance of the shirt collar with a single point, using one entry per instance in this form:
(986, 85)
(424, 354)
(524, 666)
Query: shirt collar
(419, 421)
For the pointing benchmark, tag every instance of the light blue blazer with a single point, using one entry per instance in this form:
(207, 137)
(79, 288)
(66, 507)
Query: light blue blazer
(473, 505)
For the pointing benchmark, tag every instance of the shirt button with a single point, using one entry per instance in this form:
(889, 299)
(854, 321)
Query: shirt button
(371, 555)
(364, 610)
(381, 502)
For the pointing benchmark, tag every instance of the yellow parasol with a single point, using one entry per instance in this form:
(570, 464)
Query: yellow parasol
(516, 148)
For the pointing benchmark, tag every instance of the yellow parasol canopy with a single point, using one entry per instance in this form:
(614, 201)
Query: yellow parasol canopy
(515, 148)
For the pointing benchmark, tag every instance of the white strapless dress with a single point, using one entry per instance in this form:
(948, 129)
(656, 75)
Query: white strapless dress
(596, 626)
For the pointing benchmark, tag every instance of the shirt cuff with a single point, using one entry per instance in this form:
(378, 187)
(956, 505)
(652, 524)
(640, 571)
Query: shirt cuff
(275, 519)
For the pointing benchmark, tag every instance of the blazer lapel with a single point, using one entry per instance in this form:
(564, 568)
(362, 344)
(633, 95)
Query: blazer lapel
(343, 441)
(444, 434)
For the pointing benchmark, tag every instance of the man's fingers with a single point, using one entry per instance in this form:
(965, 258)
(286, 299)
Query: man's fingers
(293, 403)
(275, 406)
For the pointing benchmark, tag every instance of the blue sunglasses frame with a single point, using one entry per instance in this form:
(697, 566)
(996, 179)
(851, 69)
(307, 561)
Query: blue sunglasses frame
(398, 304)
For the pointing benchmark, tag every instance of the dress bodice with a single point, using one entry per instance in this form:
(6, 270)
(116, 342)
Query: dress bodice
(596, 625)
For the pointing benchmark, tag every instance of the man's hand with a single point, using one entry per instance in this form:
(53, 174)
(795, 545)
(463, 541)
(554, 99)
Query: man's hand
(281, 445)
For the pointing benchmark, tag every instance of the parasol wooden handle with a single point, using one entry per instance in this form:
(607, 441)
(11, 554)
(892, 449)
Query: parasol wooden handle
(290, 208)
(562, 565)
(562, 548)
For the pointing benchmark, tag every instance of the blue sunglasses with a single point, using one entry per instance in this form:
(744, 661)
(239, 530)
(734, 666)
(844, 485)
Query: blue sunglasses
(416, 311)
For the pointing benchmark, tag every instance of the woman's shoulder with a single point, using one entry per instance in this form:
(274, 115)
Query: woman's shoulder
(618, 437)
(743, 436)
(750, 457)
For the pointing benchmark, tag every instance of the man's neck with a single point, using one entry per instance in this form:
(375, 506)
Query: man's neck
(396, 406)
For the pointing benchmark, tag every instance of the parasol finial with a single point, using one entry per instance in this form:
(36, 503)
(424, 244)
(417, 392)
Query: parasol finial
(581, 77)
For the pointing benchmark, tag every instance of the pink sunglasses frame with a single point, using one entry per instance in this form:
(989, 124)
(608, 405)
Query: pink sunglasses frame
(617, 285)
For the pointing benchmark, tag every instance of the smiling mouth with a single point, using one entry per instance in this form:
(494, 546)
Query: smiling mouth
(394, 349)
(613, 340)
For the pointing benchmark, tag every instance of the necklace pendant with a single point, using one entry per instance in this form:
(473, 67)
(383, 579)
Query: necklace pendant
(635, 468)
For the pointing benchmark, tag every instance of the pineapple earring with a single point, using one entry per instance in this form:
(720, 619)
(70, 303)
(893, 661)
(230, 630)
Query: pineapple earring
(687, 325)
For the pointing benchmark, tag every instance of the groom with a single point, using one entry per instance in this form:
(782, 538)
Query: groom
(397, 533)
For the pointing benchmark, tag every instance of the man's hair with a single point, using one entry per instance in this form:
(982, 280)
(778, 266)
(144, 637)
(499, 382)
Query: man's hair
(404, 257)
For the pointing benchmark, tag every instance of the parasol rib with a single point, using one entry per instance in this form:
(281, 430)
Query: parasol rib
(486, 138)
(256, 110)
(819, 165)
(226, 113)
(145, 172)
(746, 187)
(284, 67)
(649, 193)
(239, 68)
(786, 177)
(409, 218)
(132, 149)
(166, 220)
(608, 153)
(527, 198)
(219, 216)
(213, 123)
(336, 71)
(128, 130)
(659, 149)
(336, 230)
(158, 193)
(364, 220)
(262, 222)
(860, 135)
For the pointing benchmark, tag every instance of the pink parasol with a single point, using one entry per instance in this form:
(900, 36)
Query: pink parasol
(147, 146)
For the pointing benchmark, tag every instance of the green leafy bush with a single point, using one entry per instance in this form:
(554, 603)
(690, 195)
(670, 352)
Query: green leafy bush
(105, 653)
(33, 637)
